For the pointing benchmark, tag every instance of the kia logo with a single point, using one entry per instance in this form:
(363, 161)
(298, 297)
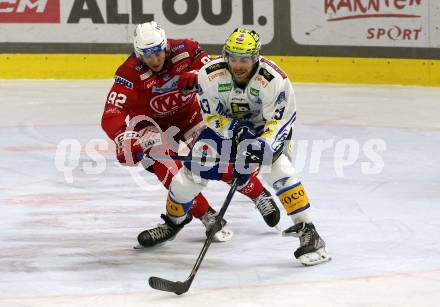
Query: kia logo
(170, 101)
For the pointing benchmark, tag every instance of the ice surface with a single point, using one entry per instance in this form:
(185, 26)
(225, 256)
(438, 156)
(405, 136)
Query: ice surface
(67, 241)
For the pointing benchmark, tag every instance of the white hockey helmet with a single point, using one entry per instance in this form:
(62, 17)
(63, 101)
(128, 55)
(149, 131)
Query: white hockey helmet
(149, 38)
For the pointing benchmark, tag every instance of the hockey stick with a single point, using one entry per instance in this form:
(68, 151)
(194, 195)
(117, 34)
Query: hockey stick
(179, 287)
(140, 156)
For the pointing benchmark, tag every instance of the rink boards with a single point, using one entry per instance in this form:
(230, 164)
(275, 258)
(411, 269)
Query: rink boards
(424, 72)
(340, 41)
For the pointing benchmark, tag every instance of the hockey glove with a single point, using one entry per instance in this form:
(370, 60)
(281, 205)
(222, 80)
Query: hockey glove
(240, 130)
(187, 80)
(248, 151)
(250, 154)
(128, 148)
(149, 138)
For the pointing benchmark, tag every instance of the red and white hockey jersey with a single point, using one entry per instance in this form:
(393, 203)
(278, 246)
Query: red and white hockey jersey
(137, 90)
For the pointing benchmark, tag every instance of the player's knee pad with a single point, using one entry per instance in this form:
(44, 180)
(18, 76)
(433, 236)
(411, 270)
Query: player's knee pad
(294, 198)
(185, 186)
(281, 174)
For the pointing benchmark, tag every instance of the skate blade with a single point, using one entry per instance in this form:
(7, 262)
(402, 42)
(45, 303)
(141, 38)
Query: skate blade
(138, 246)
(223, 235)
(141, 247)
(315, 258)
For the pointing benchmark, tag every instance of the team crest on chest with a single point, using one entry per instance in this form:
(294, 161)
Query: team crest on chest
(168, 103)
(240, 109)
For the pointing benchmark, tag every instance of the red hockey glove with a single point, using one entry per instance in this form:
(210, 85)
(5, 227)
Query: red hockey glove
(129, 151)
(150, 137)
(187, 80)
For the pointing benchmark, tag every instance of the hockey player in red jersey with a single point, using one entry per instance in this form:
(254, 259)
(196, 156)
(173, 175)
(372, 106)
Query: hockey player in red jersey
(155, 89)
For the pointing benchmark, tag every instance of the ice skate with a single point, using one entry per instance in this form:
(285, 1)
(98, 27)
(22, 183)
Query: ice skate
(312, 247)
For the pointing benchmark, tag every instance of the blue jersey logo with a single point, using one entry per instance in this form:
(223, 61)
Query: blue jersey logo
(123, 81)
(167, 87)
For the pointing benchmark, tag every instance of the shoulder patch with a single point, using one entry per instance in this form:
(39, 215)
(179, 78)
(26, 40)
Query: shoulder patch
(266, 74)
(177, 47)
(124, 82)
(281, 97)
(180, 57)
(275, 67)
(216, 66)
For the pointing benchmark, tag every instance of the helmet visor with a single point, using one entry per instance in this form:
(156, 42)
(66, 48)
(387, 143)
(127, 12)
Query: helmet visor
(241, 55)
(227, 54)
(151, 50)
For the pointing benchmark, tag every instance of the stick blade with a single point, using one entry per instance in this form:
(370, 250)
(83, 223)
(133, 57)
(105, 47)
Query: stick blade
(168, 285)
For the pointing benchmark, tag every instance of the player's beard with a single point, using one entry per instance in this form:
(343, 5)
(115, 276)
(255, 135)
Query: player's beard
(242, 76)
